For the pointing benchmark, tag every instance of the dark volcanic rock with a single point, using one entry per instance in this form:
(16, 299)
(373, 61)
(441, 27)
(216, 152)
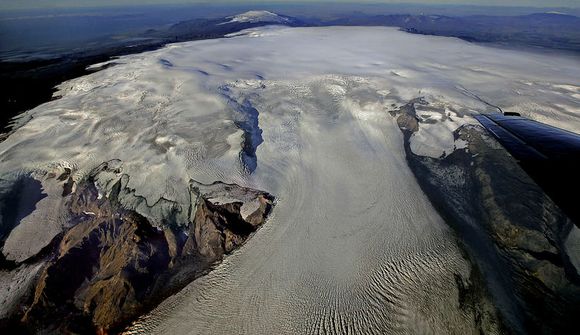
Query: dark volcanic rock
(511, 229)
(112, 263)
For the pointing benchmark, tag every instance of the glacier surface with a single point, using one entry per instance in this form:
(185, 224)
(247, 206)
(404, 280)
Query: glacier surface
(353, 245)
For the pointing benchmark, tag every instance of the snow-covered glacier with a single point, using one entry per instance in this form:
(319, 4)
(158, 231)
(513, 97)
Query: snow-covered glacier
(353, 245)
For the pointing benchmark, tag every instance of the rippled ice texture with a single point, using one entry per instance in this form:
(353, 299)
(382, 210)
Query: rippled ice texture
(353, 245)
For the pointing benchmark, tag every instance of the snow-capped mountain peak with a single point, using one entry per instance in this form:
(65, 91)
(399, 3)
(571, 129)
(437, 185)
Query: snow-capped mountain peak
(255, 16)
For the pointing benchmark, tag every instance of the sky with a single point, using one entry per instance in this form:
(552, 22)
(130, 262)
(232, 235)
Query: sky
(32, 4)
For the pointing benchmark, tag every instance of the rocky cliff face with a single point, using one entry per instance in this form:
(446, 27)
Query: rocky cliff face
(110, 262)
(513, 231)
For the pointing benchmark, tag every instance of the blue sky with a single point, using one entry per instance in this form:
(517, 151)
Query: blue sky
(29, 4)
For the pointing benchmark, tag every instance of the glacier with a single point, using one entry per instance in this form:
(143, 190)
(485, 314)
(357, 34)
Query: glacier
(354, 245)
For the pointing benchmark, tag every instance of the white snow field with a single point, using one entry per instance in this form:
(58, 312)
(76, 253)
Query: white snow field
(255, 16)
(353, 245)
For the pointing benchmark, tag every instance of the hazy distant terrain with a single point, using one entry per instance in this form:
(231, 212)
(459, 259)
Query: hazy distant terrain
(543, 30)
(39, 49)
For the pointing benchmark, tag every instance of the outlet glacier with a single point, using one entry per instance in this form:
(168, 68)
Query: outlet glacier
(349, 129)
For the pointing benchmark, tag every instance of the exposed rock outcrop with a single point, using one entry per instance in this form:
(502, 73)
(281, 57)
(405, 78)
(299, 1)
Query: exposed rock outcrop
(512, 230)
(111, 263)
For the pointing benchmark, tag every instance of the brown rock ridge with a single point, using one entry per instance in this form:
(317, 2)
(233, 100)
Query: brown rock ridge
(114, 264)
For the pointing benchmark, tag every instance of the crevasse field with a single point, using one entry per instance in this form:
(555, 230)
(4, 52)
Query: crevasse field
(353, 245)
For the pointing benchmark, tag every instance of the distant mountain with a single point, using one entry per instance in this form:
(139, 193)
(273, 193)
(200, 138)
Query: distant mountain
(214, 28)
(259, 16)
(547, 30)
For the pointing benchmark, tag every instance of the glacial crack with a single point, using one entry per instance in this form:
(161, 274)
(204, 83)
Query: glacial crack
(246, 119)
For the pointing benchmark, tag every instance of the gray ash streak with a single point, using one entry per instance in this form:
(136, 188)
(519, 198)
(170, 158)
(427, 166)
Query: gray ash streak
(246, 118)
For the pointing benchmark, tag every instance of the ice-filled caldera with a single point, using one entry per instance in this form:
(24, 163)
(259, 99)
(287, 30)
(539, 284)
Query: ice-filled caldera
(353, 245)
